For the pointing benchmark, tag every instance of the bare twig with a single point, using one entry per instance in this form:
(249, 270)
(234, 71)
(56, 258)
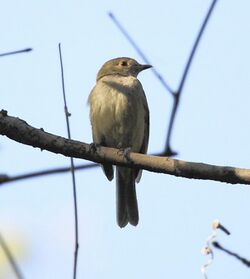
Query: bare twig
(217, 225)
(16, 52)
(18, 130)
(67, 115)
(207, 249)
(177, 95)
(139, 51)
(11, 259)
(235, 255)
(7, 179)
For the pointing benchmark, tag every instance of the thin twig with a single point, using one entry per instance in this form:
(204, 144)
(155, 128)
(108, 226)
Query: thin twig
(168, 151)
(217, 225)
(7, 179)
(207, 249)
(139, 51)
(4, 178)
(176, 94)
(67, 115)
(11, 259)
(16, 52)
(235, 255)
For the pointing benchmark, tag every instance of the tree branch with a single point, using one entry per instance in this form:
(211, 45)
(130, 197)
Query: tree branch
(4, 178)
(233, 254)
(18, 130)
(16, 52)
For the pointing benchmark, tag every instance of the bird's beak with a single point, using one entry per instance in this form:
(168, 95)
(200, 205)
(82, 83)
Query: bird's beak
(144, 67)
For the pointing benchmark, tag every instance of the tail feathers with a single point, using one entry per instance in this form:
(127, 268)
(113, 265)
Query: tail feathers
(108, 170)
(127, 208)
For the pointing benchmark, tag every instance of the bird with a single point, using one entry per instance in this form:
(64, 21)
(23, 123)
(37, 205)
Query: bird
(119, 117)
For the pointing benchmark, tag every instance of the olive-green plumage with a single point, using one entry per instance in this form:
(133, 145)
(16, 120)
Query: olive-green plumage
(120, 118)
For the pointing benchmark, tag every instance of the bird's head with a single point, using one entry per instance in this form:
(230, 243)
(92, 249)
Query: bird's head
(123, 66)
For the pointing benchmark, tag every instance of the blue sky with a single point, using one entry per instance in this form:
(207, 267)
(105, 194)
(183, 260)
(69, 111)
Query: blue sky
(211, 127)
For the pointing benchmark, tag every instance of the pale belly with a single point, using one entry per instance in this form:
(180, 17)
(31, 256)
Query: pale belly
(118, 119)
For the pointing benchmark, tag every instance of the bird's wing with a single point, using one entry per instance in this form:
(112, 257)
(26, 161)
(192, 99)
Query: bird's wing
(144, 146)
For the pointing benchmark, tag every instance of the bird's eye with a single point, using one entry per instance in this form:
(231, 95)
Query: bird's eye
(124, 63)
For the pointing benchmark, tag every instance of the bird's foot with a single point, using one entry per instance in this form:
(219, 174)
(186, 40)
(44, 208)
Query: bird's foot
(125, 152)
(94, 147)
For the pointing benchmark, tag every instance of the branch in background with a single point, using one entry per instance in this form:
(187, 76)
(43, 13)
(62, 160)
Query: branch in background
(11, 258)
(243, 260)
(176, 94)
(6, 178)
(168, 151)
(207, 249)
(16, 52)
(18, 130)
(139, 51)
(72, 168)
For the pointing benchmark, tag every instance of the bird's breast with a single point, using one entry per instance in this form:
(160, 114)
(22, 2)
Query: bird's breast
(117, 111)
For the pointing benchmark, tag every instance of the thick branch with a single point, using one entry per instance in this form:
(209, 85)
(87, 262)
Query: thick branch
(18, 130)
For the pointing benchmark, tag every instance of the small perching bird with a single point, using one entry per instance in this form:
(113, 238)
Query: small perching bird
(119, 117)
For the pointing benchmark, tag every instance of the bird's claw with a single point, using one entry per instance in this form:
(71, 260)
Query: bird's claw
(94, 147)
(125, 152)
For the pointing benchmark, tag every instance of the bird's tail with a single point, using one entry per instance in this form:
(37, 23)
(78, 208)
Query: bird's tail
(127, 209)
